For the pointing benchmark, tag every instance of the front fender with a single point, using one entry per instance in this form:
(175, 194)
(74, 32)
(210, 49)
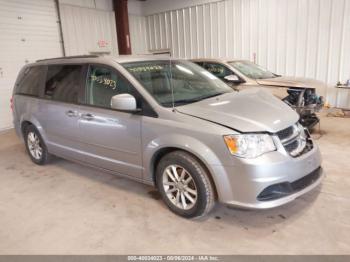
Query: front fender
(189, 144)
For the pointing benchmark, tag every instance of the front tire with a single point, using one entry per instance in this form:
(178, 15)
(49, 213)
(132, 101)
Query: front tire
(35, 146)
(185, 185)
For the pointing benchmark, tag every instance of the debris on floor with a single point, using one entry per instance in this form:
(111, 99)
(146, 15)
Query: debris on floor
(338, 112)
(155, 194)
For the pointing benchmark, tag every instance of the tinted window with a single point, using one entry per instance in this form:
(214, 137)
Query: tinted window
(200, 63)
(103, 83)
(218, 70)
(31, 81)
(62, 83)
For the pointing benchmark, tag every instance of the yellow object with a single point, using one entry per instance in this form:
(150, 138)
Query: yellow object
(327, 105)
(231, 143)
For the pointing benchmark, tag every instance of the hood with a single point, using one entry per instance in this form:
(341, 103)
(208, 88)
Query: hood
(251, 110)
(291, 82)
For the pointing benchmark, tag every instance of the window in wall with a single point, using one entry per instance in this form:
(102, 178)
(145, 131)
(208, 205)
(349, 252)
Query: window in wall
(62, 83)
(103, 83)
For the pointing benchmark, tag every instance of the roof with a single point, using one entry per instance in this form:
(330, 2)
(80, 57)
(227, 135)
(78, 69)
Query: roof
(220, 60)
(139, 58)
(96, 58)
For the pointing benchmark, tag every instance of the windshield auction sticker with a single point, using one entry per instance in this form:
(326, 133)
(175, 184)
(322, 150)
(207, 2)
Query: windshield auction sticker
(150, 68)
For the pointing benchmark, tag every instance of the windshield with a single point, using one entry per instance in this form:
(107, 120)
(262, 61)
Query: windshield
(190, 82)
(252, 70)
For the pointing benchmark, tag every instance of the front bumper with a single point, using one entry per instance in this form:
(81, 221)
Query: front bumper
(269, 181)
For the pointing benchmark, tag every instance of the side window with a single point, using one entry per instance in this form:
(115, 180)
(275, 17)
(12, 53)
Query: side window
(220, 71)
(103, 83)
(31, 81)
(200, 63)
(62, 83)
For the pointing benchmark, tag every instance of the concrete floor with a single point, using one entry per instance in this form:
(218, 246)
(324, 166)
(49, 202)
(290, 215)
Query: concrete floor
(66, 208)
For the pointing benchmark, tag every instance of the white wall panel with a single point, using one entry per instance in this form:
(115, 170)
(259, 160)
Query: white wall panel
(308, 38)
(344, 61)
(199, 29)
(138, 34)
(83, 28)
(208, 31)
(150, 7)
(106, 5)
(193, 30)
(28, 31)
(323, 39)
(152, 36)
(187, 31)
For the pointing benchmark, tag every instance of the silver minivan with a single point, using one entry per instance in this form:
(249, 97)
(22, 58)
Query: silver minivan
(167, 123)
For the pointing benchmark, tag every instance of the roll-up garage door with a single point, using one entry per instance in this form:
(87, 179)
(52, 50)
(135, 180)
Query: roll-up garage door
(29, 30)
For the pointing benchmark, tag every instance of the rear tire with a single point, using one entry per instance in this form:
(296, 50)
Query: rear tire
(36, 146)
(184, 185)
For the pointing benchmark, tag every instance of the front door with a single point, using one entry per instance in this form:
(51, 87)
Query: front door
(111, 139)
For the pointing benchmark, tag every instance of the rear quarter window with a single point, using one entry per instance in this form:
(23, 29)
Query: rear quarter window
(62, 83)
(30, 81)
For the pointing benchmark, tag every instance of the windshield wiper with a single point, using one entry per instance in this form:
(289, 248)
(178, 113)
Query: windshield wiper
(186, 101)
(210, 96)
(196, 99)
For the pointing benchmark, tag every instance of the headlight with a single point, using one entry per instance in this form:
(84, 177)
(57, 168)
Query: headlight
(249, 145)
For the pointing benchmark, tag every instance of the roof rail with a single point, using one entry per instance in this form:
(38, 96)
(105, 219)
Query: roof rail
(68, 57)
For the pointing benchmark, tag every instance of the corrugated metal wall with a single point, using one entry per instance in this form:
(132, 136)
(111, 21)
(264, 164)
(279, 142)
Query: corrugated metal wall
(97, 4)
(28, 31)
(138, 34)
(296, 37)
(88, 30)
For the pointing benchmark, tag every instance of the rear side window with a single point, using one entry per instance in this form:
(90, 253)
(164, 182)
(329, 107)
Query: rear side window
(62, 83)
(31, 81)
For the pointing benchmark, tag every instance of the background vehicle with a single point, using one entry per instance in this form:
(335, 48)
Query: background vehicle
(299, 93)
(167, 123)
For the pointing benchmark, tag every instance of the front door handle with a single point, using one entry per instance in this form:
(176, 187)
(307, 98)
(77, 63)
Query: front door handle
(87, 116)
(72, 113)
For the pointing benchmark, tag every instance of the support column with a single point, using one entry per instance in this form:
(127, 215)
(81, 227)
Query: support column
(122, 24)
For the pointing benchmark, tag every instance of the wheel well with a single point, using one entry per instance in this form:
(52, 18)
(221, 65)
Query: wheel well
(156, 159)
(24, 126)
(164, 151)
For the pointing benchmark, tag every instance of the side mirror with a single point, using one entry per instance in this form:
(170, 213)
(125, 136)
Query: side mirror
(124, 102)
(232, 79)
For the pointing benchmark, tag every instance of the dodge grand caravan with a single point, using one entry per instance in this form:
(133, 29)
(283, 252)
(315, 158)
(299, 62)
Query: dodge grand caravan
(171, 124)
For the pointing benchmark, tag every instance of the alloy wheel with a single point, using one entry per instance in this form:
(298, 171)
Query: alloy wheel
(179, 187)
(34, 145)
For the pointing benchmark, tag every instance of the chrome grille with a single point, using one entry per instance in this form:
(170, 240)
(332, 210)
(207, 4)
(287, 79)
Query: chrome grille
(295, 140)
